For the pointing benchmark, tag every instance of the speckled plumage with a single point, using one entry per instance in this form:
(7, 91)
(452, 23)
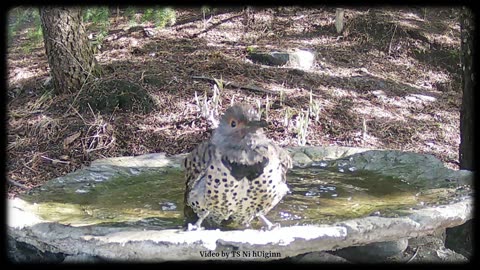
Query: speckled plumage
(236, 176)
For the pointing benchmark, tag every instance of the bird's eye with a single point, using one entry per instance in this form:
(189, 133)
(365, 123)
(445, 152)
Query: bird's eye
(233, 124)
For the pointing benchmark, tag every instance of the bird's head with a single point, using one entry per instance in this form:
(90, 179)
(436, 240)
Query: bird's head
(235, 124)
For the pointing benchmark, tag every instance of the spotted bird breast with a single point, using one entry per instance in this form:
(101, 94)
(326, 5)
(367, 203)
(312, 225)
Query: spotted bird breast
(239, 191)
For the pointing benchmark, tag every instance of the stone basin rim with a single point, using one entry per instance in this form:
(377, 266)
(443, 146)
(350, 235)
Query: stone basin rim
(170, 244)
(117, 243)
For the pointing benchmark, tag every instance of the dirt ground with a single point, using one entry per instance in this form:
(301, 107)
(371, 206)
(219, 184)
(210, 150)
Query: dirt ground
(390, 81)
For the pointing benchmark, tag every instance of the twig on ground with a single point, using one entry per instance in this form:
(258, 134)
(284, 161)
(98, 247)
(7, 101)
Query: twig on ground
(226, 83)
(142, 77)
(81, 88)
(55, 160)
(414, 255)
(31, 169)
(15, 183)
(78, 113)
(364, 129)
(391, 40)
(101, 147)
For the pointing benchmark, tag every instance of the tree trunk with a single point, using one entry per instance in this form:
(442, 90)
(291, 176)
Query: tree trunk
(460, 238)
(467, 113)
(70, 56)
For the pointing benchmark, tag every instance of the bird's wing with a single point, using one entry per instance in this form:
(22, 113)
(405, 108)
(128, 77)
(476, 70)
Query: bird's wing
(196, 162)
(285, 160)
(195, 165)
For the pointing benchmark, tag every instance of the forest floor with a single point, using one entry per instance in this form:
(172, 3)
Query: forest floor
(390, 81)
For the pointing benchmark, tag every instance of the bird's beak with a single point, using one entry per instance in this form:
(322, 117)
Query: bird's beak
(258, 124)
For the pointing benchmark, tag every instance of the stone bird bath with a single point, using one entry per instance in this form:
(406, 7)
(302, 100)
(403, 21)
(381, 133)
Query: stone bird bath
(131, 208)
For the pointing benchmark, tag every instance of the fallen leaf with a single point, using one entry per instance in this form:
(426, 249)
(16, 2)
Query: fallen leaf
(70, 139)
(64, 158)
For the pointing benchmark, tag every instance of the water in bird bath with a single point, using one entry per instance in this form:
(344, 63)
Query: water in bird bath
(326, 195)
(150, 198)
(153, 198)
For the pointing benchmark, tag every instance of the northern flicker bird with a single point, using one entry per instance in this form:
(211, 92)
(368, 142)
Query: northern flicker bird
(236, 176)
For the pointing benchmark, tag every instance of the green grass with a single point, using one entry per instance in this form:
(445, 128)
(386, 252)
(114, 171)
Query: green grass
(160, 16)
(98, 18)
(35, 33)
(130, 13)
(97, 15)
(314, 108)
(25, 20)
(303, 121)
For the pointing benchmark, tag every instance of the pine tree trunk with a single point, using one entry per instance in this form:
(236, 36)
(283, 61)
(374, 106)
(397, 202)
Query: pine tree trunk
(70, 56)
(467, 113)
